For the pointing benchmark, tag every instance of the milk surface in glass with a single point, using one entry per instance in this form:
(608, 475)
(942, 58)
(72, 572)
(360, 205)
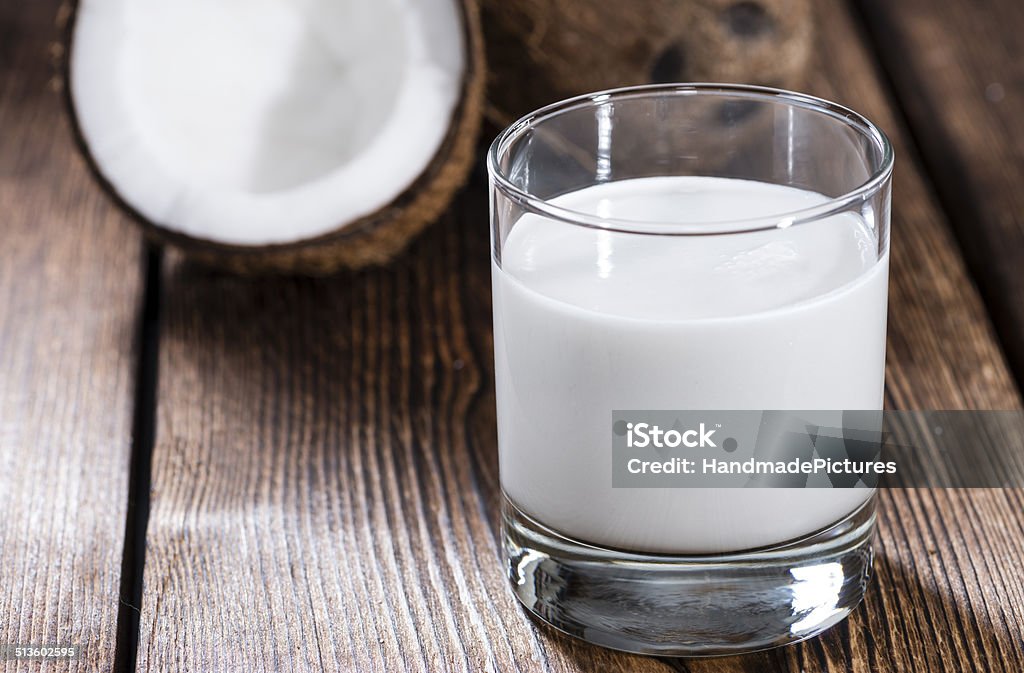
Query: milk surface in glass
(589, 320)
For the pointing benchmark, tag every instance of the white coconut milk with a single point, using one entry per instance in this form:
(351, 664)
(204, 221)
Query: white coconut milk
(587, 321)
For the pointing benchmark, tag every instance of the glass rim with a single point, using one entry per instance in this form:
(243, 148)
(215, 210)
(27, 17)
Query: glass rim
(834, 205)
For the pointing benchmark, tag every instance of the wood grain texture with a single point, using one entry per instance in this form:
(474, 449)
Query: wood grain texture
(322, 498)
(70, 284)
(325, 482)
(957, 68)
(942, 352)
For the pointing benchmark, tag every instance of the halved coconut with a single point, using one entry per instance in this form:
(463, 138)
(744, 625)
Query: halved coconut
(288, 134)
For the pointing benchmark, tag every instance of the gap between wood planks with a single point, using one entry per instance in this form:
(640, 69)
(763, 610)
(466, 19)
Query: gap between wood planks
(133, 559)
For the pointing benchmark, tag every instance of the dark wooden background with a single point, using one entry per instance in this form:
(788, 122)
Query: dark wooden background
(205, 473)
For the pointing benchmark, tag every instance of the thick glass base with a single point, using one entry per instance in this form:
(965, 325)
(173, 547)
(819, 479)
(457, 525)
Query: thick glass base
(690, 605)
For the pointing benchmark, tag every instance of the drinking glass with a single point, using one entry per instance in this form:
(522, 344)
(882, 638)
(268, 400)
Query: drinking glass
(683, 247)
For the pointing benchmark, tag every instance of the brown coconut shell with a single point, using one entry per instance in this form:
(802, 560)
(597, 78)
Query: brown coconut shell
(372, 240)
(541, 51)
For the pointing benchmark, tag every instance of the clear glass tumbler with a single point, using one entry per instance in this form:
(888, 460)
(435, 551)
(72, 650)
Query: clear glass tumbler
(673, 247)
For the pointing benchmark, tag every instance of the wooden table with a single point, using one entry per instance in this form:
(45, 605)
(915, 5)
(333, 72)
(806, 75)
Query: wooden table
(205, 473)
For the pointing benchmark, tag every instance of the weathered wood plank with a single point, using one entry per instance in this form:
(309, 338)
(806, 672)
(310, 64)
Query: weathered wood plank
(325, 477)
(957, 70)
(70, 288)
(942, 349)
(320, 498)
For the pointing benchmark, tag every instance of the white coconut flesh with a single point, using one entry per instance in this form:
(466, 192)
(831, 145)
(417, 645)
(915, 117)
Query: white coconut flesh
(255, 122)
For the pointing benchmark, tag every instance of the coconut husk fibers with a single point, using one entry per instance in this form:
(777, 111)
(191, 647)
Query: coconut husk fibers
(371, 240)
(541, 51)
